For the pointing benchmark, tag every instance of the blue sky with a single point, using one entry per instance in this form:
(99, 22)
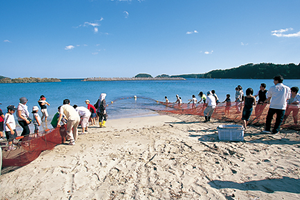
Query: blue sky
(121, 38)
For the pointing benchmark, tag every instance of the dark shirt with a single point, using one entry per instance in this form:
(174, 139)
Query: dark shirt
(262, 96)
(249, 103)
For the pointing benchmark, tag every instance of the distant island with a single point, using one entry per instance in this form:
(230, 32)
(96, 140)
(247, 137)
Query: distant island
(27, 80)
(252, 71)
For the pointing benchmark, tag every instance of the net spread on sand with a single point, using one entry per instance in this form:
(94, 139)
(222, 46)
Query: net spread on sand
(31, 146)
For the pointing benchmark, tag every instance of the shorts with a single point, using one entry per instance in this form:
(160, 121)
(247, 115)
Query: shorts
(10, 136)
(36, 127)
(84, 122)
(246, 114)
(1, 126)
(45, 112)
(93, 115)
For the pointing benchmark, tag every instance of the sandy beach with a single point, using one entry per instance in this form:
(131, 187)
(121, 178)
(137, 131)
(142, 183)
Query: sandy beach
(162, 157)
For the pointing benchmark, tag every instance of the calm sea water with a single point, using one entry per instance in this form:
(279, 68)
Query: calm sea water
(78, 91)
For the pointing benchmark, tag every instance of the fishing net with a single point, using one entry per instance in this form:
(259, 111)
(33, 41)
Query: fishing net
(31, 146)
(233, 113)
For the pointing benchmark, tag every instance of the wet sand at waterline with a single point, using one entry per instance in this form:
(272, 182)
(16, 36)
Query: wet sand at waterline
(162, 157)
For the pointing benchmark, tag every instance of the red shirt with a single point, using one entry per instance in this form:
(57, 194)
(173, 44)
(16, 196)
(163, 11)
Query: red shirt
(91, 108)
(1, 113)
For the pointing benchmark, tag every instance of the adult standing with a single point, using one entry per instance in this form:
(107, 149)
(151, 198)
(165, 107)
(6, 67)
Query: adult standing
(73, 120)
(277, 96)
(211, 105)
(101, 109)
(23, 116)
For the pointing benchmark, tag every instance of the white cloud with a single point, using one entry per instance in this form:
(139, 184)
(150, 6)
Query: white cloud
(69, 47)
(90, 24)
(208, 52)
(95, 53)
(243, 44)
(94, 24)
(126, 14)
(6, 41)
(191, 32)
(281, 33)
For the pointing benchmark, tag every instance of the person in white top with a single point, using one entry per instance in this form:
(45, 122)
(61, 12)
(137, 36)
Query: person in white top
(10, 126)
(73, 120)
(85, 115)
(277, 95)
(211, 105)
(293, 105)
(193, 101)
(23, 116)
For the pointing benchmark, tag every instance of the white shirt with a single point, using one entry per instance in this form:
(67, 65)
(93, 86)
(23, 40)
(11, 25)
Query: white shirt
(279, 94)
(24, 111)
(69, 112)
(9, 119)
(211, 101)
(295, 100)
(83, 111)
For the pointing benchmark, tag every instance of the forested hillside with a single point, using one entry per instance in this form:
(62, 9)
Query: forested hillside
(252, 71)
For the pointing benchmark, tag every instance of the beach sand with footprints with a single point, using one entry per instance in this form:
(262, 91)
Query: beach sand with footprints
(162, 157)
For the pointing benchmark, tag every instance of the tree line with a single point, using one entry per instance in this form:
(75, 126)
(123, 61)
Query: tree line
(252, 71)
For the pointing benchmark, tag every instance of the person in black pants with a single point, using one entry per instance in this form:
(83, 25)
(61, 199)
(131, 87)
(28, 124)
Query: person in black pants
(23, 116)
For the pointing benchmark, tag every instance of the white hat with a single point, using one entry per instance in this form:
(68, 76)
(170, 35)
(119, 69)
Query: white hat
(87, 100)
(35, 108)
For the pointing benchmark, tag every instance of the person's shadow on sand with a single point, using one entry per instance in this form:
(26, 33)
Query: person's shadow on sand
(285, 184)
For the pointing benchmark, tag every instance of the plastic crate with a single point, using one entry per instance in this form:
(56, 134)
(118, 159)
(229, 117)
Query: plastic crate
(231, 132)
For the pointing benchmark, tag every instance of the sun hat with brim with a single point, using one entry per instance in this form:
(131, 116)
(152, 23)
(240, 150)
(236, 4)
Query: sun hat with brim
(23, 100)
(87, 100)
(11, 107)
(35, 108)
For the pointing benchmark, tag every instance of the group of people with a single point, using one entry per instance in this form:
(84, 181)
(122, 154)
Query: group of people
(282, 99)
(72, 116)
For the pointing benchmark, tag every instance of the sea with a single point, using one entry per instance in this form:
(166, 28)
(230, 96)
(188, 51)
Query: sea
(120, 94)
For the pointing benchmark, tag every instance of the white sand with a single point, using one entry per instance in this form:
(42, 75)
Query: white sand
(162, 157)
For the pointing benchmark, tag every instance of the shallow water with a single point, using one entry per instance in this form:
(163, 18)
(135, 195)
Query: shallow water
(121, 93)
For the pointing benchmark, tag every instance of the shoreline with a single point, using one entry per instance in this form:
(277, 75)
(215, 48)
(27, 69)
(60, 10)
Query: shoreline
(132, 79)
(162, 157)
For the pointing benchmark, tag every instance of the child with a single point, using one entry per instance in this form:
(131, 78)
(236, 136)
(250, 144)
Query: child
(1, 125)
(193, 101)
(43, 104)
(262, 96)
(55, 119)
(167, 100)
(36, 119)
(10, 126)
(215, 95)
(202, 97)
(248, 107)
(228, 104)
(92, 110)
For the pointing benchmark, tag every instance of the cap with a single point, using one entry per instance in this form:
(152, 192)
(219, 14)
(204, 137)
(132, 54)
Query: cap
(23, 100)
(35, 108)
(11, 107)
(87, 100)
(209, 92)
(42, 96)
